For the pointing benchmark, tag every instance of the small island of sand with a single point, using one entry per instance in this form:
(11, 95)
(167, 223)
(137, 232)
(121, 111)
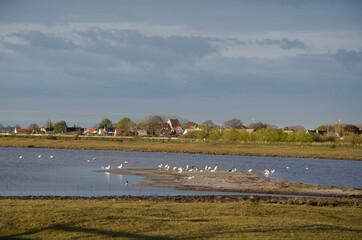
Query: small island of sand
(226, 181)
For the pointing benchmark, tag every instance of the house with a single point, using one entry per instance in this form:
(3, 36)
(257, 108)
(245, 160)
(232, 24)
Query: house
(89, 131)
(177, 130)
(191, 129)
(163, 132)
(173, 123)
(106, 131)
(141, 133)
(26, 130)
(47, 129)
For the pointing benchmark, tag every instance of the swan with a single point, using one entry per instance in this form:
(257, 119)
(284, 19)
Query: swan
(213, 170)
(125, 161)
(272, 171)
(120, 166)
(234, 170)
(250, 170)
(39, 156)
(108, 167)
(160, 165)
(51, 156)
(21, 156)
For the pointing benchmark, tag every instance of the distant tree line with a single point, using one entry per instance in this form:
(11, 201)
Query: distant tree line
(231, 130)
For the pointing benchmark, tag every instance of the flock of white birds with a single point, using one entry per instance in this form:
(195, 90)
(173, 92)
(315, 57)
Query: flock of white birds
(178, 169)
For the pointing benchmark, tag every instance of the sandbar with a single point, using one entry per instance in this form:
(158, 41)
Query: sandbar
(226, 181)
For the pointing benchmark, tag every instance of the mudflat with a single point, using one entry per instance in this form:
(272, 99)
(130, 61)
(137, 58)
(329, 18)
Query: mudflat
(226, 181)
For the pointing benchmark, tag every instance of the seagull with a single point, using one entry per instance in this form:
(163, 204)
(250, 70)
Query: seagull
(250, 170)
(120, 166)
(108, 167)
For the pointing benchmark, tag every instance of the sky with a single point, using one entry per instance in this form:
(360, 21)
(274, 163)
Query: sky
(279, 62)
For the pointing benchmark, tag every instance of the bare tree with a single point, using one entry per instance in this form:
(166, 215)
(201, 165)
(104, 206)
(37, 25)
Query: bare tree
(234, 123)
(33, 126)
(48, 124)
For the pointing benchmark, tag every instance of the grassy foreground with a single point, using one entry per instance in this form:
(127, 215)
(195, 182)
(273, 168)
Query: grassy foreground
(96, 219)
(281, 150)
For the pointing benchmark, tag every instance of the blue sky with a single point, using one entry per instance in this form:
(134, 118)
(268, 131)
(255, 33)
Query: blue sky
(279, 62)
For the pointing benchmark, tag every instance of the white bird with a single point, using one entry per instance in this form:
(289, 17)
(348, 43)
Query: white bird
(213, 170)
(179, 170)
(88, 160)
(187, 167)
(39, 156)
(250, 170)
(108, 167)
(266, 172)
(51, 156)
(94, 159)
(306, 168)
(120, 166)
(21, 156)
(287, 167)
(167, 167)
(234, 170)
(191, 177)
(125, 162)
(160, 165)
(272, 171)
(206, 167)
(201, 170)
(127, 183)
(102, 167)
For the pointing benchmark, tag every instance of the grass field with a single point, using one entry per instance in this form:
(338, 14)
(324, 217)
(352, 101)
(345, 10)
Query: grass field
(350, 152)
(96, 219)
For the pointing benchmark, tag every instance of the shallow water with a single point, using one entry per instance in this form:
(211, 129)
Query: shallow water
(69, 173)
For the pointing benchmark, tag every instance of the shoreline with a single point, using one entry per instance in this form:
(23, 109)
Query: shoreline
(225, 181)
(205, 148)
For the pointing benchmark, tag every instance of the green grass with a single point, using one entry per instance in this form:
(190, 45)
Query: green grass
(95, 219)
(351, 152)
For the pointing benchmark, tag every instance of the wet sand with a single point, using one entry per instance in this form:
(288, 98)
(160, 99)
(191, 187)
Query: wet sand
(225, 181)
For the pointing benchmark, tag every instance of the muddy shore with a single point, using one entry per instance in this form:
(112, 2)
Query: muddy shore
(225, 181)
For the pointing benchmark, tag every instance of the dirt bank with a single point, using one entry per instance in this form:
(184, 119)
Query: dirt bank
(225, 181)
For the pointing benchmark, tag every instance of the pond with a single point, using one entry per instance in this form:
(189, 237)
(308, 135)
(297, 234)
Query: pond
(63, 172)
